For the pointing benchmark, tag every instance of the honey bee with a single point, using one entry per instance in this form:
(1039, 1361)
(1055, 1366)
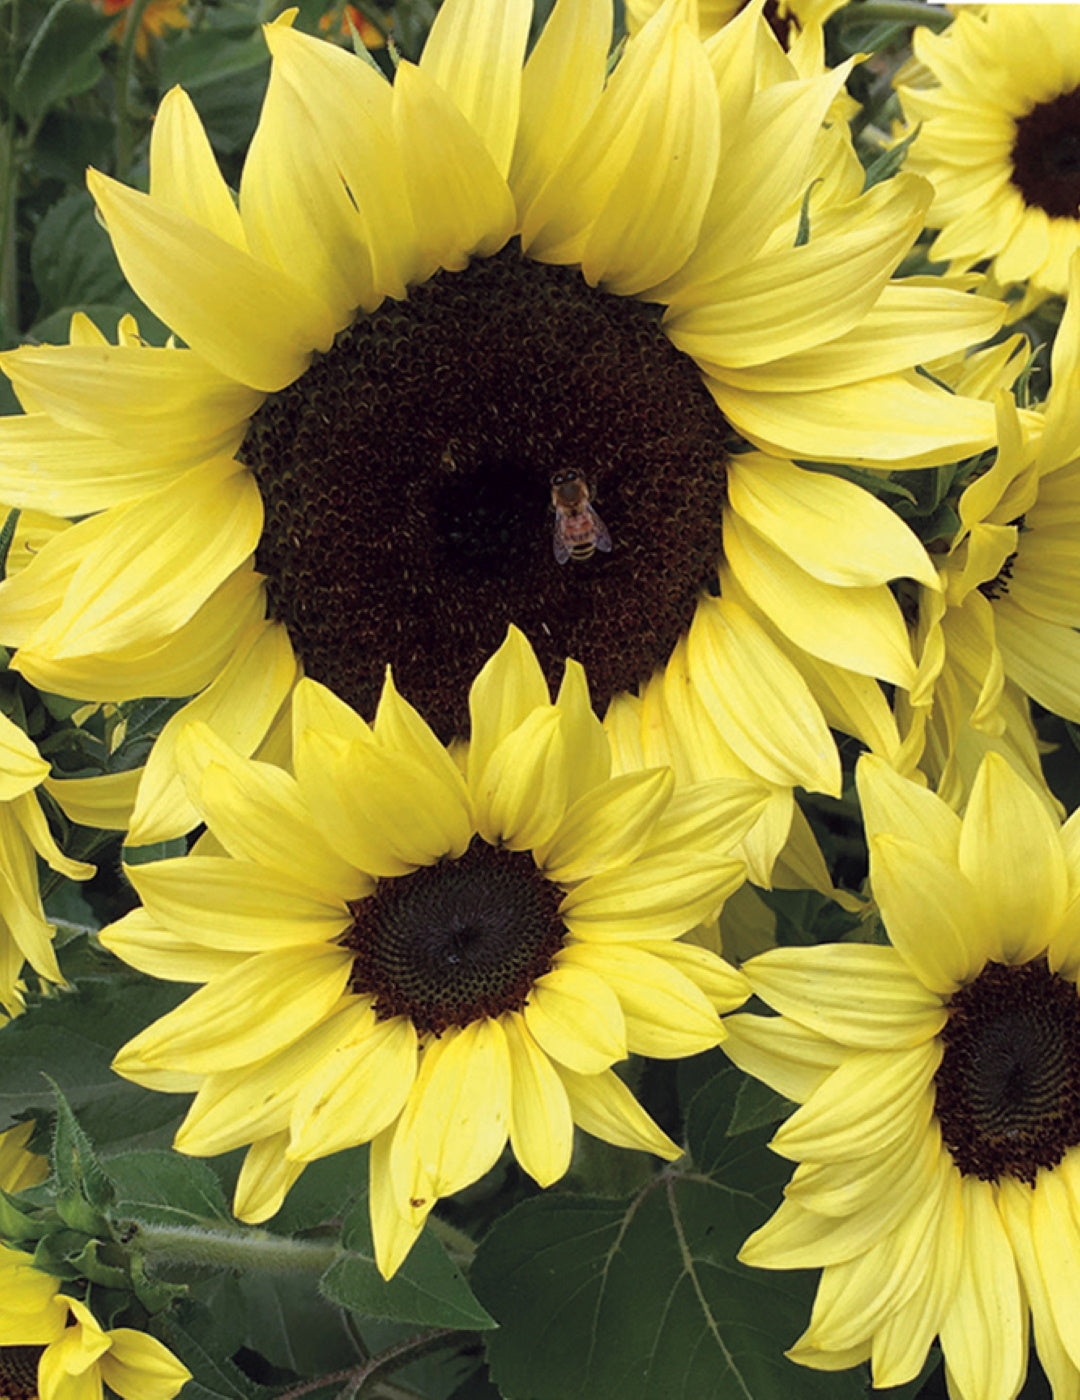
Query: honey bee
(579, 531)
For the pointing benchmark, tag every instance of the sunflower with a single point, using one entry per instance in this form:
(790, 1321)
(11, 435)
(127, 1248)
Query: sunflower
(437, 298)
(998, 99)
(18, 1167)
(1003, 625)
(51, 1345)
(432, 960)
(937, 1133)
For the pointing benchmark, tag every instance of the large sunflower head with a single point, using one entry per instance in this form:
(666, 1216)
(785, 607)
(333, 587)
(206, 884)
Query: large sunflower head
(999, 105)
(472, 350)
(430, 959)
(938, 1083)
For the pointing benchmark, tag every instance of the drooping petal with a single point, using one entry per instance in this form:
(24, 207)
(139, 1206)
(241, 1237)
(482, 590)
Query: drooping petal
(147, 944)
(605, 1107)
(265, 1179)
(541, 1126)
(139, 1367)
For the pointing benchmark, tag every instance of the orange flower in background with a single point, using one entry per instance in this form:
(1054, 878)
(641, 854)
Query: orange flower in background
(344, 19)
(158, 16)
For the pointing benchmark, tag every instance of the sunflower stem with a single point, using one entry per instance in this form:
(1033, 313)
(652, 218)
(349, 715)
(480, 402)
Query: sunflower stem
(897, 12)
(234, 1249)
(460, 1245)
(124, 139)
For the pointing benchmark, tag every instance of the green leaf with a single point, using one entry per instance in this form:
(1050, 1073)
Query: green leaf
(75, 269)
(72, 1036)
(287, 1322)
(167, 1188)
(83, 1190)
(885, 165)
(92, 1266)
(7, 534)
(630, 1300)
(427, 1288)
(756, 1106)
(639, 1298)
(199, 59)
(160, 850)
(189, 1333)
(61, 60)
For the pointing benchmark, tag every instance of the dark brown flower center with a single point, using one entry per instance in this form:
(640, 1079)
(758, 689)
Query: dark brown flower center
(1008, 1087)
(407, 477)
(1046, 156)
(18, 1372)
(456, 941)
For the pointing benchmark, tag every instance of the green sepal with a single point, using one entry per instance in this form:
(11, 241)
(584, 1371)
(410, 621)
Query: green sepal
(83, 1191)
(93, 1267)
(153, 1293)
(16, 1223)
(56, 1252)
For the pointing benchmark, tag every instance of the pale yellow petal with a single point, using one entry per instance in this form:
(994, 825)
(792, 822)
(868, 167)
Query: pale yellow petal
(457, 1118)
(508, 687)
(348, 104)
(1011, 852)
(258, 814)
(834, 530)
(358, 1089)
(856, 994)
(667, 1015)
(474, 52)
(541, 1126)
(931, 912)
(588, 752)
(608, 827)
(521, 796)
(238, 1106)
(461, 203)
(984, 1331)
(603, 1106)
(758, 700)
(168, 405)
(184, 174)
(659, 896)
(239, 706)
(575, 1017)
(264, 1180)
(149, 945)
(561, 84)
(253, 1011)
(254, 324)
(237, 905)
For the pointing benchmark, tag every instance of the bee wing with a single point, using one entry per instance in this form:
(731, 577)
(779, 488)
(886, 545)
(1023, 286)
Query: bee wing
(561, 548)
(603, 539)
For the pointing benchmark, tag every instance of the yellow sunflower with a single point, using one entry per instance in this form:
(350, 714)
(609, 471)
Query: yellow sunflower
(1003, 625)
(52, 1347)
(938, 1083)
(998, 98)
(432, 960)
(783, 15)
(440, 300)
